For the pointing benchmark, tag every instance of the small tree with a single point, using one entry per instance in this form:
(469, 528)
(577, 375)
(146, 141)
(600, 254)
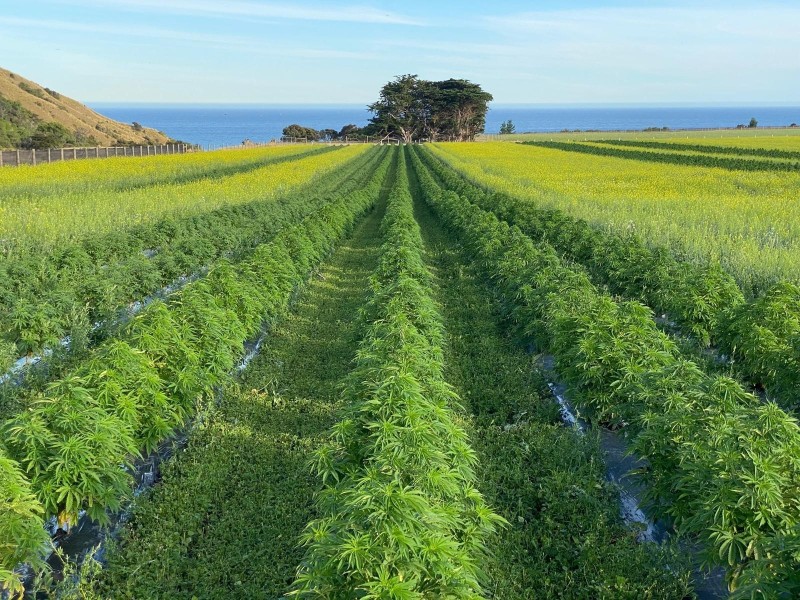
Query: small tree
(753, 122)
(50, 135)
(507, 127)
(298, 131)
(349, 130)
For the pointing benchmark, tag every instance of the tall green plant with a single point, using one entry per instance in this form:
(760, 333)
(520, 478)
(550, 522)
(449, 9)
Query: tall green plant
(721, 464)
(20, 521)
(400, 515)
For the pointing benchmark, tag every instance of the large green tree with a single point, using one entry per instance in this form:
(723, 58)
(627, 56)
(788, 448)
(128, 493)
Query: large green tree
(397, 112)
(414, 109)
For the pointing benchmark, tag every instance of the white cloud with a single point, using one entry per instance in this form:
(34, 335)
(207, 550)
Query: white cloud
(125, 30)
(258, 10)
(251, 44)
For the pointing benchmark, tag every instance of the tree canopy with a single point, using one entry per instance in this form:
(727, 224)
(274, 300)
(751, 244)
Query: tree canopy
(507, 127)
(414, 109)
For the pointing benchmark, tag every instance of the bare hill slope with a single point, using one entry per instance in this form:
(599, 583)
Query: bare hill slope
(49, 106)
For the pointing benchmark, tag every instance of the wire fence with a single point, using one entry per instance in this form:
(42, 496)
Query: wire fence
(16, 158)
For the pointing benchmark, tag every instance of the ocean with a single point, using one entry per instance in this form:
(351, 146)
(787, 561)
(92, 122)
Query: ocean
(225, 125)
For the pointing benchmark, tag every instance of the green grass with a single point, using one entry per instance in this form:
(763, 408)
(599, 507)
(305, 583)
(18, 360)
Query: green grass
(565, 538)
(226, 519)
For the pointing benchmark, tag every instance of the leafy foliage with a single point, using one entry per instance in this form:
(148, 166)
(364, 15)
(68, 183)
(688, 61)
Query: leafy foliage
(507, 127)
(721, 464)
(748, 222)
(400, 514)
(704, 301)
(47, 290)
(415, 109)
(763, 339)
(22, 537)
(250, 449)
(77, 440)
(565, 537)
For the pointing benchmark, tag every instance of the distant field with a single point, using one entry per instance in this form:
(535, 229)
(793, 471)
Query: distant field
(788, 138)
(123, 173)
(748, 221)
(71, 207)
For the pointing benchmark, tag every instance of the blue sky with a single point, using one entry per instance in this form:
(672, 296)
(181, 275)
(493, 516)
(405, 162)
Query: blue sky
(537, 52)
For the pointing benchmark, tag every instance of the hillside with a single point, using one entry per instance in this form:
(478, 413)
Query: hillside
(27, 111)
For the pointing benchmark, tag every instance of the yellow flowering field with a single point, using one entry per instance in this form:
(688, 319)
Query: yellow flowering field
(780, 139)
(749, 221)
(46, 220)
(124, 172)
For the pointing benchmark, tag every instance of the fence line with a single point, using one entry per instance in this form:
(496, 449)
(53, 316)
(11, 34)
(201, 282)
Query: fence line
(15, 158)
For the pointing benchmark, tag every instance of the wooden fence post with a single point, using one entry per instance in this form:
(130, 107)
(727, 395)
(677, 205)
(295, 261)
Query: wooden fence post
(17, 157)
(1, 158)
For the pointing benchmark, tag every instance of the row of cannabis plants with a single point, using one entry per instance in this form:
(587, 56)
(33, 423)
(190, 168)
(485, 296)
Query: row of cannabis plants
(706, 148)
(400, 515)
(674, 158)
(721, 465)
(49, 293)
(761, 337)
(72, 449)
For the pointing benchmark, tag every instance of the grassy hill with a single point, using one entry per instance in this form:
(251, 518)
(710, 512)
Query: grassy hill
(36, 116)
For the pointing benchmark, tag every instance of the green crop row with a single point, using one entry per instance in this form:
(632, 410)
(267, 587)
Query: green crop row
(46, 295)
(761, 337)
(696, 160)
(706, 148)
(722, 466)
(76, 443)
(400, 514)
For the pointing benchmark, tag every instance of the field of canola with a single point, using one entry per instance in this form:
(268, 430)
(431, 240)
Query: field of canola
(394, 435)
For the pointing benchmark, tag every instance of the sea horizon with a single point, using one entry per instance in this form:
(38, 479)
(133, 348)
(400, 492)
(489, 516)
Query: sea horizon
(217, 124)
(101, 103)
